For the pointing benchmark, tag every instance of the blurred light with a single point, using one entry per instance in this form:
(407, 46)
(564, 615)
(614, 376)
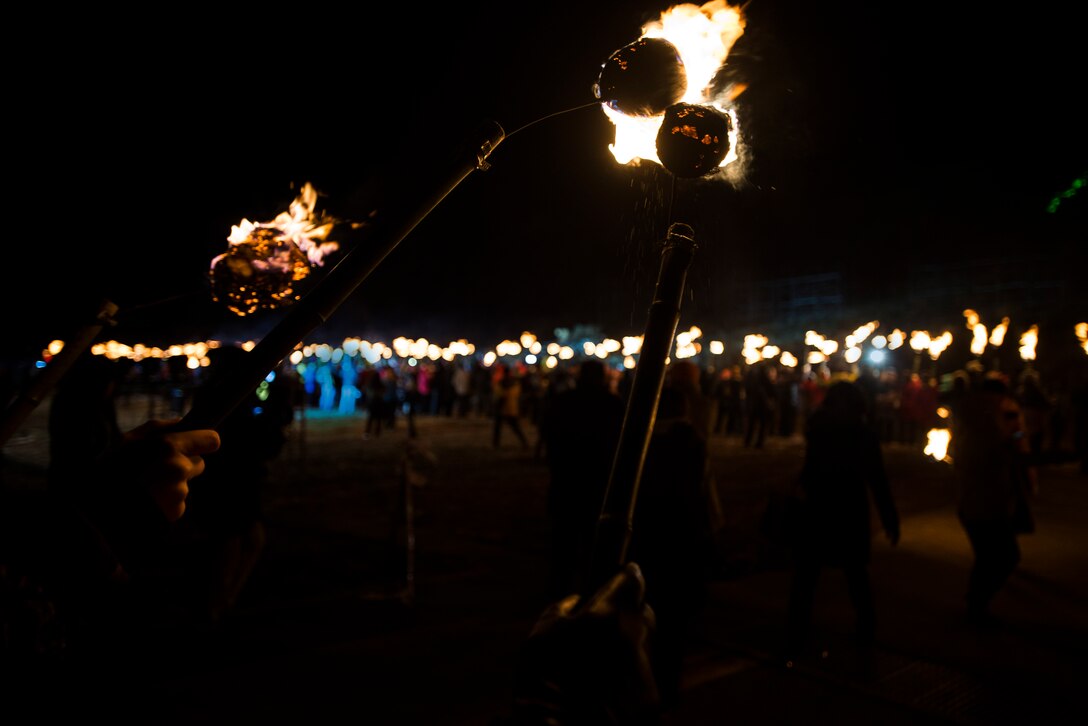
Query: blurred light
(717, 347)
(530, 359)
(939, 344)
(877, 356)
(919, 340)
(852, 355)
(937, 444)
(1028, 341)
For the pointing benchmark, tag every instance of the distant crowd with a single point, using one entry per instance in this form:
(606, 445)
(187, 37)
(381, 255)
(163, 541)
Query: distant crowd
(749, 403)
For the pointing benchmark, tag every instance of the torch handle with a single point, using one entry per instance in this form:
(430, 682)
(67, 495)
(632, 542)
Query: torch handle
(388, 228)
(615, 524)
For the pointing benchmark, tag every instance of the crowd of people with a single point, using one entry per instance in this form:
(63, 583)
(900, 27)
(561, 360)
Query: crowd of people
(147, 536)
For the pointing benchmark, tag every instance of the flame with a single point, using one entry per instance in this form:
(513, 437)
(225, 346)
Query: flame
(978, 339)
(1081, 331)
(939, 344)
(1028, 341)
(937, 444)
(919, 340)
(703, 36)
(265, 259)
(997, 335)
(297, 224)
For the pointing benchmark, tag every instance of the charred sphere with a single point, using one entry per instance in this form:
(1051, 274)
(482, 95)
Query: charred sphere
(642, 78)
(260, 273)
(693, 140)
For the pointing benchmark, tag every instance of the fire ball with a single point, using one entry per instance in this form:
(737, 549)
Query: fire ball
(261, 273)
(642, 78)
(693, 140)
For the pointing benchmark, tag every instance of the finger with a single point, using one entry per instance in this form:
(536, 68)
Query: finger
(194, 443)
(170, 499)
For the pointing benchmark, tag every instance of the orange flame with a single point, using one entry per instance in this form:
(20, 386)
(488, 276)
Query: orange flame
(703, 35)
(298, 225)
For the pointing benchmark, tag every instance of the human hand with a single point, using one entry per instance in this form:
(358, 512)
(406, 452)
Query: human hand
(162, 460)
(588, 662)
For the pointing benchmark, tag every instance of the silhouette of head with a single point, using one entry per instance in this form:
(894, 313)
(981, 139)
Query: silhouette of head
(844, 399)
(591, 373)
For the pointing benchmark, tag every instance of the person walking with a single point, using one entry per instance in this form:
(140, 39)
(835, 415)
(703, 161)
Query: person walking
(508, 406)
(990, 457)
(843, 466)
(759, 399)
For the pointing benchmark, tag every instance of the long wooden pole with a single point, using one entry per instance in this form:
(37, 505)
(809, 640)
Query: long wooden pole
(615, 524)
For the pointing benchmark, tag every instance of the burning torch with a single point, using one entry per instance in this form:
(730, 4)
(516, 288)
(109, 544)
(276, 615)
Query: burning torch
(653, 92)
(386, 230)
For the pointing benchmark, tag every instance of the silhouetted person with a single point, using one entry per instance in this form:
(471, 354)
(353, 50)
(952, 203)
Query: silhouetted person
(729, 395)
(1036, 407)
(995, 479)
(670, 538)
(759, 398)
(843, 467)
(507, 404)
(580, 430)
(1078, 398)
(376, 394)
(85, 602)
(83, 425)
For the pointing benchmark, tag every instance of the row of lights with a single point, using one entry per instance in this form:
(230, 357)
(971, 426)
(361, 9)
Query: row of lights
(756, 347)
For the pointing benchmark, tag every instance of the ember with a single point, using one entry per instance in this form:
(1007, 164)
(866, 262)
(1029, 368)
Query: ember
(259, 274)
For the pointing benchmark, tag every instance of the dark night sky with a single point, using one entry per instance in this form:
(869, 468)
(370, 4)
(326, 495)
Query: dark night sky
(871, 132)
